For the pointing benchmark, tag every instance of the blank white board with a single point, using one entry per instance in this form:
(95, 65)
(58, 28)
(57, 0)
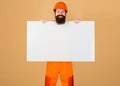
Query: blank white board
(67, 42)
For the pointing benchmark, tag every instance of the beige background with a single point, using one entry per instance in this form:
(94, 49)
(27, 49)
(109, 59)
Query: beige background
(16, 71)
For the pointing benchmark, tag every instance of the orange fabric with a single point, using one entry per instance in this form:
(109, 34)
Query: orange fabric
(60, 5)
(54, 69)
(71, 81)
(47, 80)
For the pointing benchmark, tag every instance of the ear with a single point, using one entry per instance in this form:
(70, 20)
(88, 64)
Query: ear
(65, 11)
(55, 12)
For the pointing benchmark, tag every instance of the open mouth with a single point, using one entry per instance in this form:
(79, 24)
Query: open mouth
(60, 16)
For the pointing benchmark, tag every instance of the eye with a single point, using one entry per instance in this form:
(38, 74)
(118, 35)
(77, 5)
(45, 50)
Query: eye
(58, 11)
(62, 11)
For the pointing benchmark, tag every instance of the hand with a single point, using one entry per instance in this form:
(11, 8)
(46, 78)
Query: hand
(77, 21)
(43, 20)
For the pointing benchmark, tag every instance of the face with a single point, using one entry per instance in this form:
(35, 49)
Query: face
(60, 16)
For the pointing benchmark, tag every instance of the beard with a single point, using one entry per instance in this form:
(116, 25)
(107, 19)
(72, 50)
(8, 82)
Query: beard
(60, 19)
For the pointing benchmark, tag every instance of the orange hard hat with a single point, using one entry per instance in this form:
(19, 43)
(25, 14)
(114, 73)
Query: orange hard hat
(60, 5)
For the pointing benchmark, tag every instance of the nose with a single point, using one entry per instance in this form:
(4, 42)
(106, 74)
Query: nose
(60, 13)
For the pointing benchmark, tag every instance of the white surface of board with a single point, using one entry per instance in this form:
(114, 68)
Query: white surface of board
(68, 42)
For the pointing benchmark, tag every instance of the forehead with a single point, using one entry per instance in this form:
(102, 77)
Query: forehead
(60, 10)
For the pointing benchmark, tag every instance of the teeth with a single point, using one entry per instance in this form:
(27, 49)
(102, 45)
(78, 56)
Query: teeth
(60, 16)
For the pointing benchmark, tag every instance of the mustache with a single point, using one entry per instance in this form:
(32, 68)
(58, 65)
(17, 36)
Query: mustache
(58, 16)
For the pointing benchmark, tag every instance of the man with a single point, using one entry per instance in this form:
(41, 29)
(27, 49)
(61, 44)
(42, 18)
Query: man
(64, 69)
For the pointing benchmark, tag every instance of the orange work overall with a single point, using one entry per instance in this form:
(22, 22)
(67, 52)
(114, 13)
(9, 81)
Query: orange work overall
(65, 70)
